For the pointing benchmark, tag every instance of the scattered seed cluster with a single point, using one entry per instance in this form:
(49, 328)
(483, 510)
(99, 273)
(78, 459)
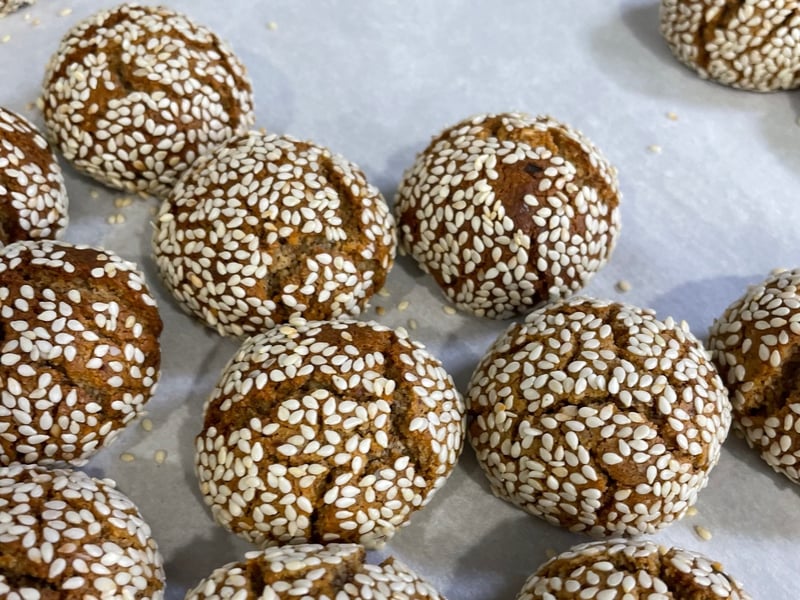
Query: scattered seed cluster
(334, 430)
(598, 417)
(269, 228)
(79, 351)
(33, 199)
(135, 94)
(624, 570)
(335, 571)
(506, 211)
(63, 530)
(748, 44)
(756, 345)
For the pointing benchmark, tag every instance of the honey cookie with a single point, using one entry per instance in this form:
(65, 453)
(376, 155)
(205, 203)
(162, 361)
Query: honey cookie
(136, 93)
(79, 355)
(598, 417)
(756, 345)
(268, 228)
(748, 44)
(313, 571)
(507, 211)
(630, 569)
(33, 198)
(328, 431)
(69, 536)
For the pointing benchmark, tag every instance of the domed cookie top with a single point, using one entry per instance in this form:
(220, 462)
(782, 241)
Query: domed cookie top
(748, 44)
(630, 569)
(313, 571)
(329, 431)
(136, 93)
(598, 417)
(79, 355)
(506, 211)
(756, 344)
(33, 199)
(63, 530)
(267, 228)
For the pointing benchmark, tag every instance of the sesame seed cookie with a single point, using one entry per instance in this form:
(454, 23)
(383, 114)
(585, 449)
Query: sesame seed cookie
(506, 211)
(268, 228)
(33, 199)
(327, 431)
(79, 351)
(136, 93)
(598, 417)
(625, 569)
(756, 345)
(9, 6)
(69, 536)
(748, 44)
(313, 571)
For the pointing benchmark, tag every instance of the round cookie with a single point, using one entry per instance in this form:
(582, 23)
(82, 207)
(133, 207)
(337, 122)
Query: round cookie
(328, 431)
(507, 211)
(628, 569)
(33, 199)
(313, 571)
(79, 355)
(136, 93)
(268, 228)
(69, 536)
(748, 44)
(756, 345)
(598, 417)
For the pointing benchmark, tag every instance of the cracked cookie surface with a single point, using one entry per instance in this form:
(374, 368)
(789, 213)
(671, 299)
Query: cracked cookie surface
(327, 431)
(507, 211)
(598, 417)
(334, 571)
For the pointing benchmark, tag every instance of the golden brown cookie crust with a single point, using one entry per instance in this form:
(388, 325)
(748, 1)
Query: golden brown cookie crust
(327, 431)
(136, 93)
(506, 211)
(598, 417)
(630, 569)
(756, 345)
(80, 351)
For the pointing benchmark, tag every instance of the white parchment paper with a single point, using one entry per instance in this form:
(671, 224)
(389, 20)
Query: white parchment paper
(710, 180)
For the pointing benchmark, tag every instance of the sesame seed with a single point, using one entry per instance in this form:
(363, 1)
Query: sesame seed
(160, 456)
(448, 310)
(623, 285)
(147, 425)
(702, 532)
(127, 457)
(65, 12)
(272, 26)
(654, 148)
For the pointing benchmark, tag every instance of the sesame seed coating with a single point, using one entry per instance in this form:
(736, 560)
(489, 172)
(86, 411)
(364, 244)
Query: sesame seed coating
(69, 536)
(625, 570)
(598, 417)
(79, 351)
(756, 345)
(9, 6)
(33, 199)
(328, 431)
(313, 571)
(268, 228)
(136, 93)
(748, 44)
(506, 211)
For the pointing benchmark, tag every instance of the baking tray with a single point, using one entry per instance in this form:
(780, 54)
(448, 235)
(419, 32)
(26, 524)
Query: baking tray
(710, 181)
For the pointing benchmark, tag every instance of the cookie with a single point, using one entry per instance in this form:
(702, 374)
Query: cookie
(755, 345)
(313, 571)
(507, 211)
(327, 431)
(69, 536)
(33, 199)
(135, 94)
(748, 44)
(630, 569)
(79, 355)
(9, 6)
(269, 228)
(598, 417)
